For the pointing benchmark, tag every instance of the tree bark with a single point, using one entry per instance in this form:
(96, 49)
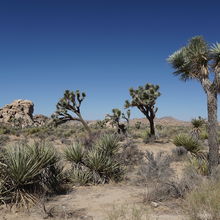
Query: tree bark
(212, 130)
(152, 129)
(85, 125)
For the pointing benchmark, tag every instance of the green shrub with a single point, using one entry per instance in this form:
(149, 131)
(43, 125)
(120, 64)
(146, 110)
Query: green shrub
(28, 171)
(188, 142)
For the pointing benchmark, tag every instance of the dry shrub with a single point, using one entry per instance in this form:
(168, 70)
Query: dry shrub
(130, 154)
(203, 203)
(128, 212)
(162, 183)
(156, 168)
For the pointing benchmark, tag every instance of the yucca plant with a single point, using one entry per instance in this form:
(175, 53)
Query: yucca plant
(28, 170)
(103, 166)
(97, 165)
(200, 164)
(74, 153)
(108, 144)
(80, 176)
(187, 142)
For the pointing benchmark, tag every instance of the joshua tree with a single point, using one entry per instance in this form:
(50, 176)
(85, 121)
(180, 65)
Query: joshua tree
(144, 98)
(71, 102)
(197, 60)
(116, 117)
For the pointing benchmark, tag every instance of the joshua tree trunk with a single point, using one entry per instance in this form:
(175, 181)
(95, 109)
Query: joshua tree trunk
(152, 130)
(150, 116)
(212, 130)
(85, 124)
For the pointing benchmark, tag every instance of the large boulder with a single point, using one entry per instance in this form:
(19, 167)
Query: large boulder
(18, 113)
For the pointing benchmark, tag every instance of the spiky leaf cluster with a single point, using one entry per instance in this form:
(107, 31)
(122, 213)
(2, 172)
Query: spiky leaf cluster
(196, 59)
(27, 171)
(144, 98)
(96, 165)
(71, 101)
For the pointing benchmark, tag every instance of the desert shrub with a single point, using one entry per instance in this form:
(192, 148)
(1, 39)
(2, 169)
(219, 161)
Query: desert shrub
(204, 202)
(160, 192)
(138, 125)
(97, 164)
(199, 163)
(179, 152)
(4, 139)
(147, 138)
(88, 140)
(173, 187)
(33, 130)
(203, 135)
(187, 142)
(4, 130)
(156, 168)
(27, 171)
(126, 212)
(130, 154)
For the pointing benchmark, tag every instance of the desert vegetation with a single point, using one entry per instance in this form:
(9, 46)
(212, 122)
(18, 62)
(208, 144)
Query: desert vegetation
(118, 167)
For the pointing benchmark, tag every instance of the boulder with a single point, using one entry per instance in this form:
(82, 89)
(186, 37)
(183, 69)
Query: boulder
(40, 120)
(18, 113)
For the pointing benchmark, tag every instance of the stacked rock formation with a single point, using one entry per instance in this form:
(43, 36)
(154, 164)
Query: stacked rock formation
(20, 114)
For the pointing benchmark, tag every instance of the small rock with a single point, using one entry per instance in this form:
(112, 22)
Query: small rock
(154, 204)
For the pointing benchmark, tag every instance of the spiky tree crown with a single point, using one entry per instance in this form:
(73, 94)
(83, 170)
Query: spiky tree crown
(196, 59)
(117, 115)
(71, 101)
(143, 96)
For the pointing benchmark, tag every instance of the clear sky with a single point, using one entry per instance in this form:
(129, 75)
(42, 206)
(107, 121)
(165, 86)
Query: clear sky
(102, 47)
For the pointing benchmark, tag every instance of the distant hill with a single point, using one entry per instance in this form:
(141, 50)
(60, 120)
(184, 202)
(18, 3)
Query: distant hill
(168, 120)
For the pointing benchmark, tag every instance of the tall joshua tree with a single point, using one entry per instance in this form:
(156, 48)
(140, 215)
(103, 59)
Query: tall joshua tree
(197, 60)
(71, 102)
(144, 98)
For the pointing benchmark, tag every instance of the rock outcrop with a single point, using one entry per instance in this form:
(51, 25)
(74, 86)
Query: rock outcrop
(40, 120)
(20, 114)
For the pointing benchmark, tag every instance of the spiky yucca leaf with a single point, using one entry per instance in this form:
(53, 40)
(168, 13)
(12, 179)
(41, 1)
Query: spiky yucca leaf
(108, 144)
(187, 142)
(74, 153)
(80, 176)
(27, 171)
(107, 167)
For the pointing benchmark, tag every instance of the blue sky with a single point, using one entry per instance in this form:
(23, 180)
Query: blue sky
(102, 47)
